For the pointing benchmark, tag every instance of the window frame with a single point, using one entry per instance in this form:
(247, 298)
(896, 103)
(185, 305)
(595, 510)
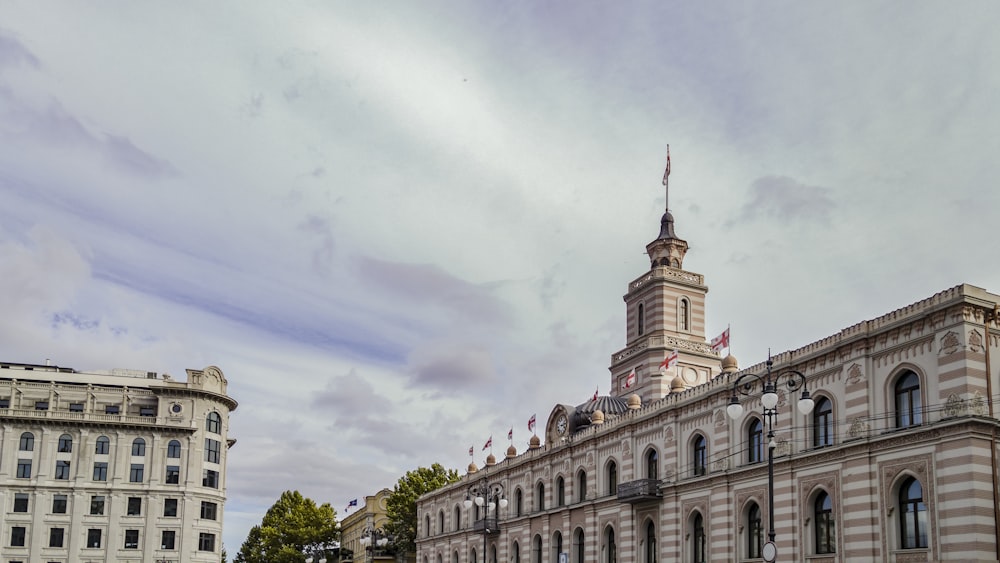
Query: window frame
(907, 400)
(102, 446)
(60, 503)
(100, 471)
(138, 447)
(822, 419)
(213, 423)
(699, 455)
(755, 440)
(65, 444)
(26, 443)
(755, 531)
(907, 504)
(824, 525)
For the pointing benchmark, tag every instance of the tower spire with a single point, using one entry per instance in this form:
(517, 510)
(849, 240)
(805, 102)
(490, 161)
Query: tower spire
(667, 249)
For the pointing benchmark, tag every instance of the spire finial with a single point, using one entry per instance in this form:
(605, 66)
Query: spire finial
(666, 176)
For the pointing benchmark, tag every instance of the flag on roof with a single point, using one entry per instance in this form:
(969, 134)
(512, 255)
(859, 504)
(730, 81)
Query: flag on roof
(721, 341)
(350, 504)
(629, 379)
(510, 433)
(531, 423)
(488, 444)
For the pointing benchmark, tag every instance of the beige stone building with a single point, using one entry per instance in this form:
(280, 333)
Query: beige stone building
(356, 526)
(895, 462)
(122, 466)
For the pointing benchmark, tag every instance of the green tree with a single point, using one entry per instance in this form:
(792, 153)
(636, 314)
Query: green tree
(401, 506)
(292, 525)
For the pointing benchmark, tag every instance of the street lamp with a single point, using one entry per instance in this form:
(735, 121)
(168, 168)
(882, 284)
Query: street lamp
(374, 538)
(747, 385)
(492, 498)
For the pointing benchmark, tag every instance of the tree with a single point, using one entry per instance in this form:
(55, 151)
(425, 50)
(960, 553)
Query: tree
(292, 525)
(401, 506)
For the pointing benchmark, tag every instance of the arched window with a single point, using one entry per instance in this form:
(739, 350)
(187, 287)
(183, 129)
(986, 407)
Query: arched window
(641, 321)
(439, 559)
(515, 553)
(912, 515)
(536, 549)
(454, 557)
(612, 478)
(650, 543)
(213, 423)
(610, 549)
(174, 449)
(472, 555)
(823, 423)
(27, 443)
(540, 497)
(755, 441)
(138, 447)
(578, 546)
(102, 446)
(493, 553)
(65, 443)
(458, 519)
(699, 455)
(652, 464)
(557, 546)
(427, 525)
(699, 553)
(826, 533)
(560, 491)
(755, 531)
(908, 409)
(440, 521)
(581, 485)
(684, 309)
(518, 502)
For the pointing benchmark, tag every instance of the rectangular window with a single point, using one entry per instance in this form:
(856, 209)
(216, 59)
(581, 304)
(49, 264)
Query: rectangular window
(131, 539)
(147, 411)
(17, 536)
(212, 448)
(206, 542)
(41, 405)
(76, 407)
(208, 510)
(100, 471)
(170, 507)
(94, 538)
(210, 478)
(167, 541)
(4, 403)
(59, 504)
(134, 506)
(62, 469)
(97, 505)
(135, 473)
(173, 474)
(56, 537)
(24, 469)
(20, 502)
(112, 409)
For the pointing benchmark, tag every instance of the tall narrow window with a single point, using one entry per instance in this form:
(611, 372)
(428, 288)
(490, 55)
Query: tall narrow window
(699, 455)
(518, 502)
(912, 515)
(641, 319)
(560, 492)
(652, 464)
(908, 409)
(823, 423)
(212, 449)
(536, 549)
(456, 520)
(699, 553)
(515, 553)
(650, 543)
(540, 497)
(213, 423)
(578, 546)
(825, 530)
(755, 532)
(755, 441)
(612, 478)
(557, 546)
(685, 314)
(581, 486)
(611, 550)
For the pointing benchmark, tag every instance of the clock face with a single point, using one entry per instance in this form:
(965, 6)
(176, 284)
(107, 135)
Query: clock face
(561, 424)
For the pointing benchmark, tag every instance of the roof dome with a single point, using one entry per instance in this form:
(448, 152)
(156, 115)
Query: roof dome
(677, 384)
(491, 460)
(534, 443)
(511, 451)
(729, 364)
(473, 468)
(634, 402)
(597, 417)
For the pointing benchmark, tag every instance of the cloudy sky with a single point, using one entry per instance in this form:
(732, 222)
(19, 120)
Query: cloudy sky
(399, 228)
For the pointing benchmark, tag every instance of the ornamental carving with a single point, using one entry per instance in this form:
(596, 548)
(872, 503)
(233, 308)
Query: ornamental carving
(720, 464)
(975, 341)
(782, 447)
(720, 418)
(590, 460)
(957, 406)
(854, 375)
(626, 447)
(950, 343)
(858, 428)
(669, 433)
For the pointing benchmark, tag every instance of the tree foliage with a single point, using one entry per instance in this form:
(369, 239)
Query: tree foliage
(291, 525)
(401, 506)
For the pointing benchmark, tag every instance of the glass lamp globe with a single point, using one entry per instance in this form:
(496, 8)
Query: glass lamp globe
(503, 503)
(735, 409)
(480, 501)
(769, 399)
(806, 403)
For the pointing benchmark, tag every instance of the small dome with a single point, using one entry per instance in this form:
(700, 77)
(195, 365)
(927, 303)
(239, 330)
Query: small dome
(677, 384)
(511, 451)
(729, 364)
(473, 468)
(634, 402)
(597, 417)
(491, 460)
(534, 443)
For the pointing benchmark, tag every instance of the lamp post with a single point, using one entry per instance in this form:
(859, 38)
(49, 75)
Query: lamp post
(374, 538)
(490, 496)
(767, 386)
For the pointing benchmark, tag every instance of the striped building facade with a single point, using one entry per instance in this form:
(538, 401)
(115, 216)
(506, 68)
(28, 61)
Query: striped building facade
(896, 462)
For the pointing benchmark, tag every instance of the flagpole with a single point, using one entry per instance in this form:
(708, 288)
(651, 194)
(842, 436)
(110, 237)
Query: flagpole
(666, 186)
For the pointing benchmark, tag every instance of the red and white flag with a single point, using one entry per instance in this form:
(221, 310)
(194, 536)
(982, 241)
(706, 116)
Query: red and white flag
(629, 379)
(471, 450)
(488, 444)
(595, 393)
(670, 361)
(531, 423)
(721, 341)
(510, 433)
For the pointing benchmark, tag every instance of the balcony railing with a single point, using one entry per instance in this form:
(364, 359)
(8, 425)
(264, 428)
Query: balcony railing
(97, 418)
(640, 490)
(489, 524)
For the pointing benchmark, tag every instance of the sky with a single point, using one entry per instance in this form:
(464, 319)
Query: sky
(400, 228)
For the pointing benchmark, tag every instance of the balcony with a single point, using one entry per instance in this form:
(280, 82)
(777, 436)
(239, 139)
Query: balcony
(640, 490)
(97, 418)
(491, 525)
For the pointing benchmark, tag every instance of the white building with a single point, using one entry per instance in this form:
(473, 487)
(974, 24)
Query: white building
(122, 466)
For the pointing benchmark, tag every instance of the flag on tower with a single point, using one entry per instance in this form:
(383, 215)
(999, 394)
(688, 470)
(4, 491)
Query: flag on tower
(596, 389)
(629, 379)
(472, 449)
(670, 361)
(667, 173)
(721, 341)
(488, 444)
(531, 423)
(510, 433)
